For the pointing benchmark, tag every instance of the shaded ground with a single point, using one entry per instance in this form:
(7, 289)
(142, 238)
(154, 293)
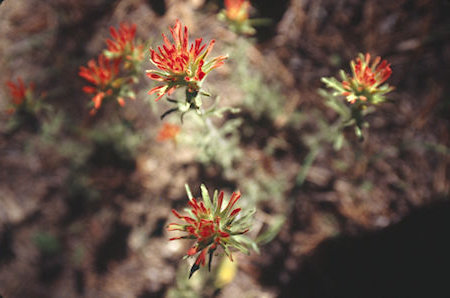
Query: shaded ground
(95, 228)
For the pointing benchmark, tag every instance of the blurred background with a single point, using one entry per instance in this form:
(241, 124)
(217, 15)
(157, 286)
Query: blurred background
(84, 201)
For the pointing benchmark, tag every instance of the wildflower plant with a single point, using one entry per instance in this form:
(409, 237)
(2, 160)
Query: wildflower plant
(103, 75)
(116, 69)
(364, 89)
(117, 139)
(24, 107)
(261, 96)
(236, 15)
(215, 142)
(182, 65)
(365, 86)
(22, 97)
(123, 45)
(212, 226)
(168, 132)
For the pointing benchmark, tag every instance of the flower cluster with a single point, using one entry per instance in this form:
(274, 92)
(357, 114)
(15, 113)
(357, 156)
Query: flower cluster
(363, 89)
(365, 86)
(122, 45)
(211, 226)
(20, 94)
(168, 132)
(236, 14)
(237, 10)
(180, 64)
(366, 78)
(103, 76)
(106, 75)
(18, 91)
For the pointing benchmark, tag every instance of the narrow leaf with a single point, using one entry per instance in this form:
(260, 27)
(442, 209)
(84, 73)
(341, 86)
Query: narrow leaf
(205, 196)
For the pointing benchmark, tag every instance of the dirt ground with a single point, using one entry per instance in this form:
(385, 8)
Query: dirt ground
(80, 218)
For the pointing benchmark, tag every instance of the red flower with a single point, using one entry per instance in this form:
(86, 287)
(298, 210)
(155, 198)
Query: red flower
(237, 10)
(168, 132)
(180, 64)
(210, 226)
(366, 79)
(102, 76)
(122, 43)
(18, 91)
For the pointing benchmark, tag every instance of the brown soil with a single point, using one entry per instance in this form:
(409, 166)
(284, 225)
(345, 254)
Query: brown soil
(97, 229)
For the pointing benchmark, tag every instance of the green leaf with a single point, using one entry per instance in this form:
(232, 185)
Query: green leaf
(130, 94)
(198, 101)
(47, 243)
(110, 55)
(338, 142)
(273, 230)
(359, 133)
(194, 268)
(307, 163)
(247, 241)
(188, 192)
(215, 198)
(238, 245)
(205, 196)
(243, 221)
(184, 107)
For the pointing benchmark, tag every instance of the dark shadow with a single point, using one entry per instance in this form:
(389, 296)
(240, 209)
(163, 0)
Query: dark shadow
(71, 38)
(212, 177)
(77, 203)
(113, 248)
(273, 10)
(79, 281)
(50, 267)
(158, 6)
(6, 249)
(148, 294)
(105, 154)
(24, 121)
(259, 131)
(159, 227)
(408, 259)
(80, 199)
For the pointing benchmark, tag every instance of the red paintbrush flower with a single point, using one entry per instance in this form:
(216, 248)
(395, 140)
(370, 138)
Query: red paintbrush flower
(366, 79)
(23, 100)
(18, 91)
(237, 10)
(168, 132)
(103, 76)
(180, 64)
(122, 43)
(211, 227)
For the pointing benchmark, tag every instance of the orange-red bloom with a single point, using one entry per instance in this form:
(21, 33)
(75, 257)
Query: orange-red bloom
(210, 226)
(122, 42)
(366, 78)
(102, 76)
(237, 10)
(18, 91)
(168, 132)
(180, 64)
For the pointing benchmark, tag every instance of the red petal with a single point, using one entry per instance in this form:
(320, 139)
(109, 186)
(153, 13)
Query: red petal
(192, 251)
(176, 213)
(235, 211)
(220, 200)
(98, 99)
(89, 89)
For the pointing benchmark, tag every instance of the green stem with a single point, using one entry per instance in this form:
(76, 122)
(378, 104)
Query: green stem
(211, 128)
(307, 163)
